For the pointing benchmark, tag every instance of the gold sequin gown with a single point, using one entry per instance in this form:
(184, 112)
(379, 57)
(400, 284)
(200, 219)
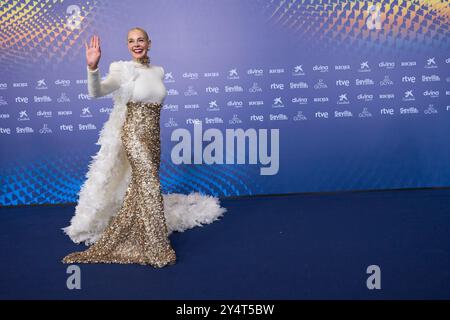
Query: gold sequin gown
(138, 233)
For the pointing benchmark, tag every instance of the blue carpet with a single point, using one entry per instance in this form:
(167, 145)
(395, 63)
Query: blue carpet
(314, 246)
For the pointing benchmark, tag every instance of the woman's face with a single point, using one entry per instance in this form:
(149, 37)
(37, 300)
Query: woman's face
(137, 44)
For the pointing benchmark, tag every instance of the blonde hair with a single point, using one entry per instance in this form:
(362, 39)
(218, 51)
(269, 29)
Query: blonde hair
(141, 30)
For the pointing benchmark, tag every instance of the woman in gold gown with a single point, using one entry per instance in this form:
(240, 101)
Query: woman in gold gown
(138, 233)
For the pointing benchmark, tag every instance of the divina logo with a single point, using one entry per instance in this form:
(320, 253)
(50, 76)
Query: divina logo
(62, 82)
(431, 94)
(190, 75)
(320, 68)
(255, 72)
(387, 65)
(236, 104)
(365, 97)
(221, 150)
(300, 100)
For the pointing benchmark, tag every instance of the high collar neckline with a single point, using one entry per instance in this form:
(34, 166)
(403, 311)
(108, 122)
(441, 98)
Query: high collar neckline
(140, 65)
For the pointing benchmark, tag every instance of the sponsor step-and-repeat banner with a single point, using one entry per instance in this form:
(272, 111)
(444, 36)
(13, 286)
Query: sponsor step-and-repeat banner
(264, 96)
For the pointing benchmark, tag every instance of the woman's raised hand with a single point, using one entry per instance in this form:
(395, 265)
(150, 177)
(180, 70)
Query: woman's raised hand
(93, 52)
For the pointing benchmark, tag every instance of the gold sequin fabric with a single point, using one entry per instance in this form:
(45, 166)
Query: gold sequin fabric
(138, 233)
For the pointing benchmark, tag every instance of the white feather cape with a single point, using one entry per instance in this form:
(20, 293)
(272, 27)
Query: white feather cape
(102, 194)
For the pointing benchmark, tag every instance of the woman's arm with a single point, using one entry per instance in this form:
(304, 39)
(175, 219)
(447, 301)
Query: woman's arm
(99, 88)
(96, 87)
